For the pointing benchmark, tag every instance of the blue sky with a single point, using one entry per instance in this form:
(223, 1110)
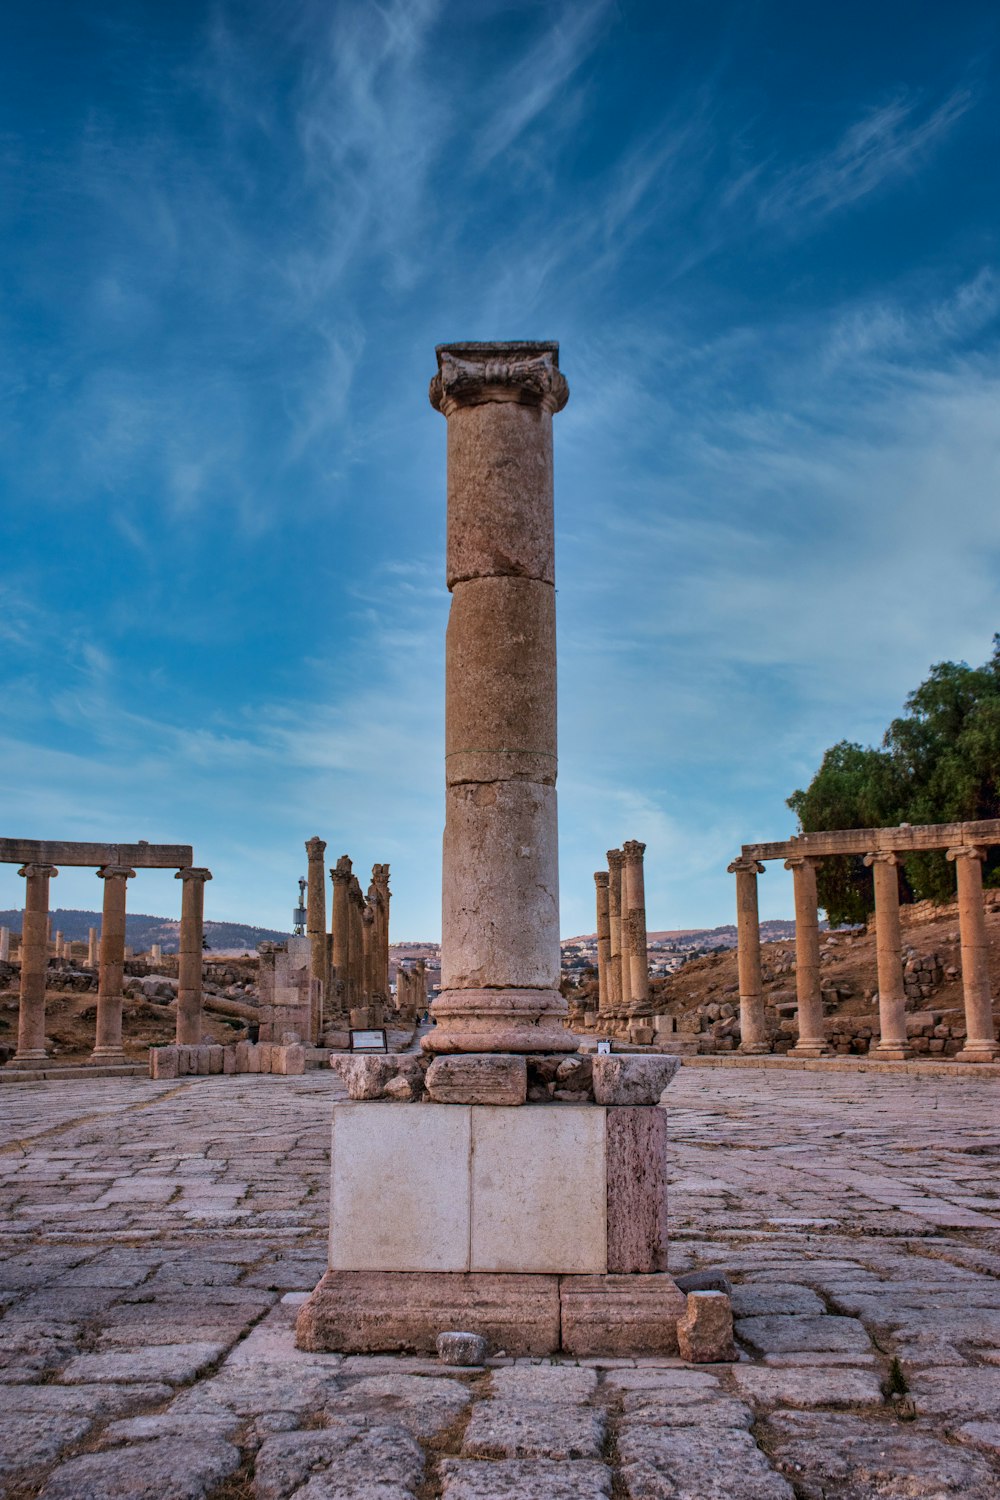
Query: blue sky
(766, 236)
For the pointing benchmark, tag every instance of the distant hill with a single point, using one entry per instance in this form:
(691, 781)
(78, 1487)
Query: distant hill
(141, 930)
(773, 930)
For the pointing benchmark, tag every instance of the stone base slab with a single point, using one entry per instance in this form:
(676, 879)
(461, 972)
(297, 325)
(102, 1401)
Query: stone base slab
(382, 1312)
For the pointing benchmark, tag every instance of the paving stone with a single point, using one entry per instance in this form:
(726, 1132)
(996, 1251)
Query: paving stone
(178, 1363)
(856, 1458)
(181, 1469)
(956, 1395)
(984, 1435)
(753, 1301)
(201, 1425)
(682, 1409)
(356, 1456)
(559, 1383)
(524, 1479)
(523, 1429)
(250, 1391)
(795, 1334)
(696, 1463)
(808, 1385)
(29, 1438)
(421, 1404)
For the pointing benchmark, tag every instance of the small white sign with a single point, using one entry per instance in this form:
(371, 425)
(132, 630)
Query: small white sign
(603, 1048)
(369, 1041)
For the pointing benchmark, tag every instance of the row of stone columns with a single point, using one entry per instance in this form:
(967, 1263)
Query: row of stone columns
(893, 1044)
(34, 961)
(622, 948)
(352, 964)
(411, 990)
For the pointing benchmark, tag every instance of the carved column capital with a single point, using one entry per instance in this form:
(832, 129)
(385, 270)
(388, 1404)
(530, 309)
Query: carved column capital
(473, 374)
(882, 857)
(315, 848)
(601, 877)
(966, 851)
(115, 872)
(615, 859)
(341, 873)
(632, 850)
(800, 861)
(194, 872)
(28, 871)
(745, 866)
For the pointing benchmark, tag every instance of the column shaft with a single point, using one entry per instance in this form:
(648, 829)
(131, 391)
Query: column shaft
(603, 938)
(316, 911)
(190, 957)
(812, 1039)
(108, 1041)
(753, 1025)
(500, 957)
(341, 931)
(892, 1044)
(635, 926)
(980, 1033)
(624, 960)
(615, 858)
(34, 962)
(92, 948)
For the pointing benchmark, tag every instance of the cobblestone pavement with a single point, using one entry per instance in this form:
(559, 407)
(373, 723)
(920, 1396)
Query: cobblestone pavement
(157, 1239)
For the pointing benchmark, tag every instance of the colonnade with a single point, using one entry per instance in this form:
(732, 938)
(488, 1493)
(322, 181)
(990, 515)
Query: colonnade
(883, 850)
(622, 946)
(115, 867)
(351, 962)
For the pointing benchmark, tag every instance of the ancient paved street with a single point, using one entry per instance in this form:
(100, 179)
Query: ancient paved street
(158, 1238)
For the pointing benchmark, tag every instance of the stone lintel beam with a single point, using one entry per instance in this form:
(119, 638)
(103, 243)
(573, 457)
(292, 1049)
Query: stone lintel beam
(907, 838)
(53, 852)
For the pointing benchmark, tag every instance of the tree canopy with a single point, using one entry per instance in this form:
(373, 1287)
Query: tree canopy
(939, 762)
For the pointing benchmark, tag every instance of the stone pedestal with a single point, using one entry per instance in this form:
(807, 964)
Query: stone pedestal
(191, 955)
(108, 1045)
(812, 1038)
(500, 956)
(980, 1039)
(34, 962)
(753, 1025)
(892, 1045)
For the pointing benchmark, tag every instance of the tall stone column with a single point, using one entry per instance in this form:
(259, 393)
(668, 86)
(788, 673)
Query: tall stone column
(57, 943)
(34, 962)
(108, 1043)
(615, 860)
(92, 948)
(316, 911)
(980, 1033)
(624, 958)
(190, 957)
(500, 956)
(4, 945)
(369, 939)
(637, 944)
(753, 1026)
(812, 1039)
(380, 880)
(341, 922)
(603, 938)
(892, 1044)
(358, 999)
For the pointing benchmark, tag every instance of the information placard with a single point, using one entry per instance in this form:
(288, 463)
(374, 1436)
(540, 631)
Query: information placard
(369, 1041)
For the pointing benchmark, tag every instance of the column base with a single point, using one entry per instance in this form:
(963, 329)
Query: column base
(977, 1052)
(811, 1049)
(105, 1055)
(29, 1058)
(500, 1020)
(754, 1049)
(891, 1051)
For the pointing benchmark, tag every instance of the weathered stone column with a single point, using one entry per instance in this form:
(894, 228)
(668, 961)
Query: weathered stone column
(892, 1044)
(812, 1039)
(624, 960)
(369, 939)
(108, 1042)
(34, 962)
(341, 930)
(92, 948)
(615, 860)
(980, 1033)
(500, 954)
(190, 956)
(4, 945)
(753, 1026)
(636, 945)
(603, 938)
(316, 912)
(357, 998)
(57, 943)
(380, 880)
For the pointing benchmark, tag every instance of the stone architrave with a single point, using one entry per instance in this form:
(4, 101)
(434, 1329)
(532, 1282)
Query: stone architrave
(341, 930)
(190, 956)
(4, 945)
(753, 1028)
(500, 956)
(634, 921)
(892, 1044)
(980, 1034)
(108, 1042)
(812, 1039)
(316, 915)
(34, 962)
(603, 938)
(615, 861)
(92, 949)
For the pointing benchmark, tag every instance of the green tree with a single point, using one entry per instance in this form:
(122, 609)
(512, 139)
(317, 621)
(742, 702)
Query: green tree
(939, 763)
